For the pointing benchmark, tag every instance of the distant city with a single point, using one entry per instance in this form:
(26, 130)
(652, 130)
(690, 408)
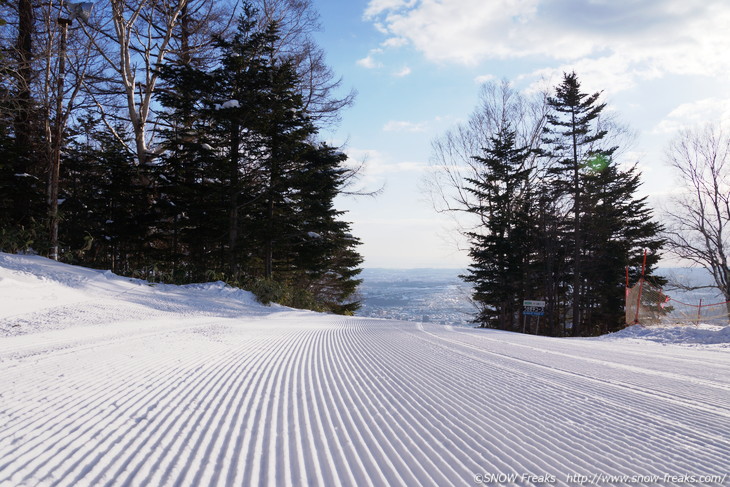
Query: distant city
(427, 295)
(440, 296)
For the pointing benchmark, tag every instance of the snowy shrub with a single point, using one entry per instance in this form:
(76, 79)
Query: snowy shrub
(267, 291)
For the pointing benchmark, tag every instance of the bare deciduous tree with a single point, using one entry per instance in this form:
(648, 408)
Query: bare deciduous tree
(453, 153)
(134, 38)
(40, 102)
(138, 34)
(699, 221)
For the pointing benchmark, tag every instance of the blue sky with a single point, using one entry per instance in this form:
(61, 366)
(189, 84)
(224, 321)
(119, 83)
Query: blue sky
(417, 65)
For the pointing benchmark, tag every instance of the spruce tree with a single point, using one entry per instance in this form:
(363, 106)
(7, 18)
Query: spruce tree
(619, 227)
(105, 222)
(324, 249)
(573, 138)
(191, 178)
(211, 173)
(550, 259)
(605, 226)
(242, 170)
(23, 159)
(501, 245)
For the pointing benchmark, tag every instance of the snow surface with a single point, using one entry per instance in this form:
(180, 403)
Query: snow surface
(108, 381)
(228, 104)
(702, 334)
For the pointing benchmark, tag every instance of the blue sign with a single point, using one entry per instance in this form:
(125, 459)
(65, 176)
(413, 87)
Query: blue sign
(533, 308)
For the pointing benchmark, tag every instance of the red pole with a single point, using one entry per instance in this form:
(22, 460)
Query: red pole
(626, 295)
(641, 289)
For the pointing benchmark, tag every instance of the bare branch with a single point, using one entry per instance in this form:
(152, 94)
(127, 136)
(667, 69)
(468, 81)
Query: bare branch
(452, 160)
(699, 229)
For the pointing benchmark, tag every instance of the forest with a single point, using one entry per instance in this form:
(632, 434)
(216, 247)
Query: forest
(177, 142)
(554, 216)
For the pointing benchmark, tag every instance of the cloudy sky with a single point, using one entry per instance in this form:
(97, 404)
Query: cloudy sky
(417, 66)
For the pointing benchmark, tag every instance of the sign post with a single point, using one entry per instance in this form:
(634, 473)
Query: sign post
(532, 308)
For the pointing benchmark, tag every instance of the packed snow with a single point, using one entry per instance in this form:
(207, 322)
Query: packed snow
(111, 381)
(227, 104)
(701, 334)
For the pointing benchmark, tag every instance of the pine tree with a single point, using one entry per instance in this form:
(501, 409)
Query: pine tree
(500, 248)
(242, 171)
(573, 137)
(105, 222)
(619, 228)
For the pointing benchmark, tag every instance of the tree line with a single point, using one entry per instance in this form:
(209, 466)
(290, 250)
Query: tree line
(553, 216)
(188, 142)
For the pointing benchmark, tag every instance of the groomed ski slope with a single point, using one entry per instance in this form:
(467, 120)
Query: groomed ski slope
(106, 381)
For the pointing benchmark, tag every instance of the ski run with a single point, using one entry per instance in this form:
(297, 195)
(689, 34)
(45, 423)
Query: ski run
(110, 381)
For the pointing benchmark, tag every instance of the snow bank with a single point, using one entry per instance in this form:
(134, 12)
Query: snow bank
(702, 334)
(39, 294)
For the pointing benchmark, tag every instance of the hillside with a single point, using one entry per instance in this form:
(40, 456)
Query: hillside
(109, 381)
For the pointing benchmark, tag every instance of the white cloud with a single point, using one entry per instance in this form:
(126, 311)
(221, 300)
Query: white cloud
(407, 167)
(403, 72)
(628, 40)
(394, 42)
(484, 78)
(611, 74)
(369, 62)
(376, 7)
(694, 114)
(378, 165)
(402, 126)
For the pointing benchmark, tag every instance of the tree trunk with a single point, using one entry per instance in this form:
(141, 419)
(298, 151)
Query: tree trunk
(22, 120)
(269, 249)
(233, 208)
(577, 270)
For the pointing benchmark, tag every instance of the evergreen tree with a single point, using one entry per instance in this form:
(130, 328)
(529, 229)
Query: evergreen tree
(212, 169)
(243, 175)
(565, 237)
(573, 137)
(604, 227)
(23, 206)
(619, 228)
(105, 222)
(236, 187)
(500, 249)
(288, 131)
(324, 251)
(550, 264)
(191, 179)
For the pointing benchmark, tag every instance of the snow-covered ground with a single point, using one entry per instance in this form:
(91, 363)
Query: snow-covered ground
(108, 381)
